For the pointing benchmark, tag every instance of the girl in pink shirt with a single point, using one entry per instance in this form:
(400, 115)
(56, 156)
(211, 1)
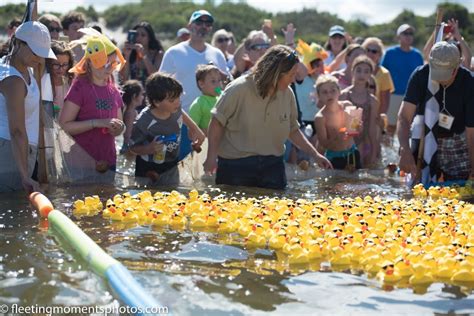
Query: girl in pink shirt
(92, 108)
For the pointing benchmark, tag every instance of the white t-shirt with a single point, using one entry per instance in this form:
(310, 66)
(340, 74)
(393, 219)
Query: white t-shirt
(32, 105)
(181, 60)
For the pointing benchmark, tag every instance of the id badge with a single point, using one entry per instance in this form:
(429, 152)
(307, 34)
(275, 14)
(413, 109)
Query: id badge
(445, 121)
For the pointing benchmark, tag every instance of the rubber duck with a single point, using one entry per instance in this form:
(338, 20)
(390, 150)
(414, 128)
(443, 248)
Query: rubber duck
(421, 275)
(387, 274)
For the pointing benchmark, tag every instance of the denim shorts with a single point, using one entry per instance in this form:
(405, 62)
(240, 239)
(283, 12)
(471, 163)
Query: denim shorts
(254, 171)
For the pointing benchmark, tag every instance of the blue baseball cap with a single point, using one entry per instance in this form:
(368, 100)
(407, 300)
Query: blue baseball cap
(199, 13)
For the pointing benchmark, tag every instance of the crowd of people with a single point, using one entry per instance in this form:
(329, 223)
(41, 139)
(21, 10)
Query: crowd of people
(258, 103)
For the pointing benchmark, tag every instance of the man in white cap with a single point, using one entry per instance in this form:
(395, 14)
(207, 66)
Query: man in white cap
(182, 60)
(20, 106)
(400, 60)
(446, 91)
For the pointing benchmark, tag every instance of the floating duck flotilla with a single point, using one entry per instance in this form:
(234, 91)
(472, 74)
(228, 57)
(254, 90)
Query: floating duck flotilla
(416, 241)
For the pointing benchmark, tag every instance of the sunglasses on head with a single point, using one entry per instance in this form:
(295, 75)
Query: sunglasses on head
(201, 23)
(373, 51)
(259, 46)
(222, 39)
(293, 57)
(55, 29)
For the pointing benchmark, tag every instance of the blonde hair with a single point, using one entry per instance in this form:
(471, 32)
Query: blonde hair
(323, 79)
(363, 59)
(373, 41)
(277, 61)
(217, 34)
(203, 70)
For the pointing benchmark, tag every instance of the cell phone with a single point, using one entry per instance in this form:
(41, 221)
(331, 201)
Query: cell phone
(447, 29)
(132, 36)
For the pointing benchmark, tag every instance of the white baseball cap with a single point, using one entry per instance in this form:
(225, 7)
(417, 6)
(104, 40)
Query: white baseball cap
(36, 36)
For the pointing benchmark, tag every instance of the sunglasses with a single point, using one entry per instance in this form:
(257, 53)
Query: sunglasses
(372, 86)
(59, 66)
(373, 51)
(408, 33)
(201, 23)
(259, 46)
(222, 40)
(55, 29)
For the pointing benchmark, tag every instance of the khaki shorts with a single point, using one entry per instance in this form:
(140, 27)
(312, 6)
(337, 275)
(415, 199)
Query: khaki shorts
(393, 108)
(10, 179)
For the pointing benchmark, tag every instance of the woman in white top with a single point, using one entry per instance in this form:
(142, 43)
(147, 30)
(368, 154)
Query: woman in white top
(19, 106)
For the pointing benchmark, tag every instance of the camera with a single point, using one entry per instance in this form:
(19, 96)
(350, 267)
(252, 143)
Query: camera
(132, 36)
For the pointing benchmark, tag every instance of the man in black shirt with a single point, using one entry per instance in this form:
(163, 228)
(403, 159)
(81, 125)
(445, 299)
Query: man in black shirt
(439, 101)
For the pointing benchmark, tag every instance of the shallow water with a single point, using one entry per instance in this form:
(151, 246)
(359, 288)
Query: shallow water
(200, 273)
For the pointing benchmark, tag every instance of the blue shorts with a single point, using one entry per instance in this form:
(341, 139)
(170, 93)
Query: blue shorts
(254, 171)
(342, 159)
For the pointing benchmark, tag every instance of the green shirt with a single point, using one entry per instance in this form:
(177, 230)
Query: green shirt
(200, 110)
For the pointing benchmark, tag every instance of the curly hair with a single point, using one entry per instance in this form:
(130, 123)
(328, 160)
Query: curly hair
(276, 62)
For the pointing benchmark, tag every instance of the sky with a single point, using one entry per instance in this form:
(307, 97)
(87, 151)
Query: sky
(371, 11)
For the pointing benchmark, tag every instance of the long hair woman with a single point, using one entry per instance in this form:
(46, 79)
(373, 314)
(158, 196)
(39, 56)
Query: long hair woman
(253, 118)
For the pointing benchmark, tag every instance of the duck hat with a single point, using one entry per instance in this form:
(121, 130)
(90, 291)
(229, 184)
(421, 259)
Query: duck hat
(98, 48)
(444, 59)
(36, 36)
(310, 52)
(199, 13)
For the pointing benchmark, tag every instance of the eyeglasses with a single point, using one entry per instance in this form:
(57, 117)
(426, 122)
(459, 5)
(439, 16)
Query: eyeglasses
(55, 29)
(373, 51)
(59, 66)
(222, 40)
(261, 46)
(408, 33)
(201, 23)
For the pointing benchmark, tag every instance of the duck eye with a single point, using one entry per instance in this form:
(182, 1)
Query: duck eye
(89, 50)
(96, 48)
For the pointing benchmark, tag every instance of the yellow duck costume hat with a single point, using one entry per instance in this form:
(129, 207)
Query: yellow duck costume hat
(97, 48)
(310, 53)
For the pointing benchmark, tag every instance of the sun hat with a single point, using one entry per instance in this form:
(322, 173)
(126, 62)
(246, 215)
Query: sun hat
(404, 27)
(36, 36)
(336, 30)
(444, 59)
(199, 13)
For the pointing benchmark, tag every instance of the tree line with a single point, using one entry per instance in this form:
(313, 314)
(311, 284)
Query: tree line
(240, 18)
